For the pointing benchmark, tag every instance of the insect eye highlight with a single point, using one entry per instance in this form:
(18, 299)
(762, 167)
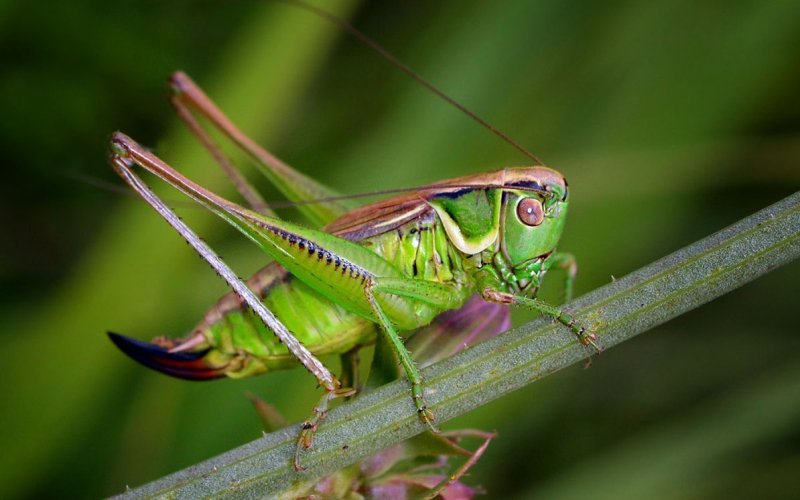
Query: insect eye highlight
(530, 212)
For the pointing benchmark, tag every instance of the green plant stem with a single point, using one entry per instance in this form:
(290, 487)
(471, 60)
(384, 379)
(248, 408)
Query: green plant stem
(616, 312)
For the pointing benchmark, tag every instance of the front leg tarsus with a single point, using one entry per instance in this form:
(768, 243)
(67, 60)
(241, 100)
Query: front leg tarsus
(584, 336)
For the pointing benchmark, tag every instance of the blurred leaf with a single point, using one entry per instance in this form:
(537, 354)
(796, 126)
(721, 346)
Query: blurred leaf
(681, 457)
(257, 83)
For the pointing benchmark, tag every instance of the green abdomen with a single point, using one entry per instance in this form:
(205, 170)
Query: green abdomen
(240, 340)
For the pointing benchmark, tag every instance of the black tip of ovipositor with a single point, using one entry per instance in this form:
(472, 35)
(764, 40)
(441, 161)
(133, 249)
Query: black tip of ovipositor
(185, 365)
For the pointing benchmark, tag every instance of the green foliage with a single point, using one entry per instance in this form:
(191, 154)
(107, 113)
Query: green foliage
(670, 120)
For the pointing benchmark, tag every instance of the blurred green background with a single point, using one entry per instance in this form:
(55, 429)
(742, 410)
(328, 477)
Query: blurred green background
(670, 119)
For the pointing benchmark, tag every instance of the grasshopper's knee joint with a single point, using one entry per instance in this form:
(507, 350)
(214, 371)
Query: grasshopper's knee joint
(178, 83)
(118, 145)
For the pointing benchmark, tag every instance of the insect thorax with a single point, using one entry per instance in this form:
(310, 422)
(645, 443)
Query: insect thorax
(420, 249)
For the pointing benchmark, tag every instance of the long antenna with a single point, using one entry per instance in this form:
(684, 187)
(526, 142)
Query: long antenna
(369, 42)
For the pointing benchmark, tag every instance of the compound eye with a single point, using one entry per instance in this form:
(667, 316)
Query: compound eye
(530, 212)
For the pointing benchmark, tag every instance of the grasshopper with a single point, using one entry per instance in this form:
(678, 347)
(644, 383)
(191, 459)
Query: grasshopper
(386, 268)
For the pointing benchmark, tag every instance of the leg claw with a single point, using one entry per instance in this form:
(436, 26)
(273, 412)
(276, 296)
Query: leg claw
(427, 417)
(588, 339)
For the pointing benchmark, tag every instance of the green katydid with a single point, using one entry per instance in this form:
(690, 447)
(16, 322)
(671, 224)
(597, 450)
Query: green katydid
(388, 267)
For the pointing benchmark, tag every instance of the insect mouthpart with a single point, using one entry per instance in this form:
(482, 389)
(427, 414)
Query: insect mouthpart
(526, 277)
